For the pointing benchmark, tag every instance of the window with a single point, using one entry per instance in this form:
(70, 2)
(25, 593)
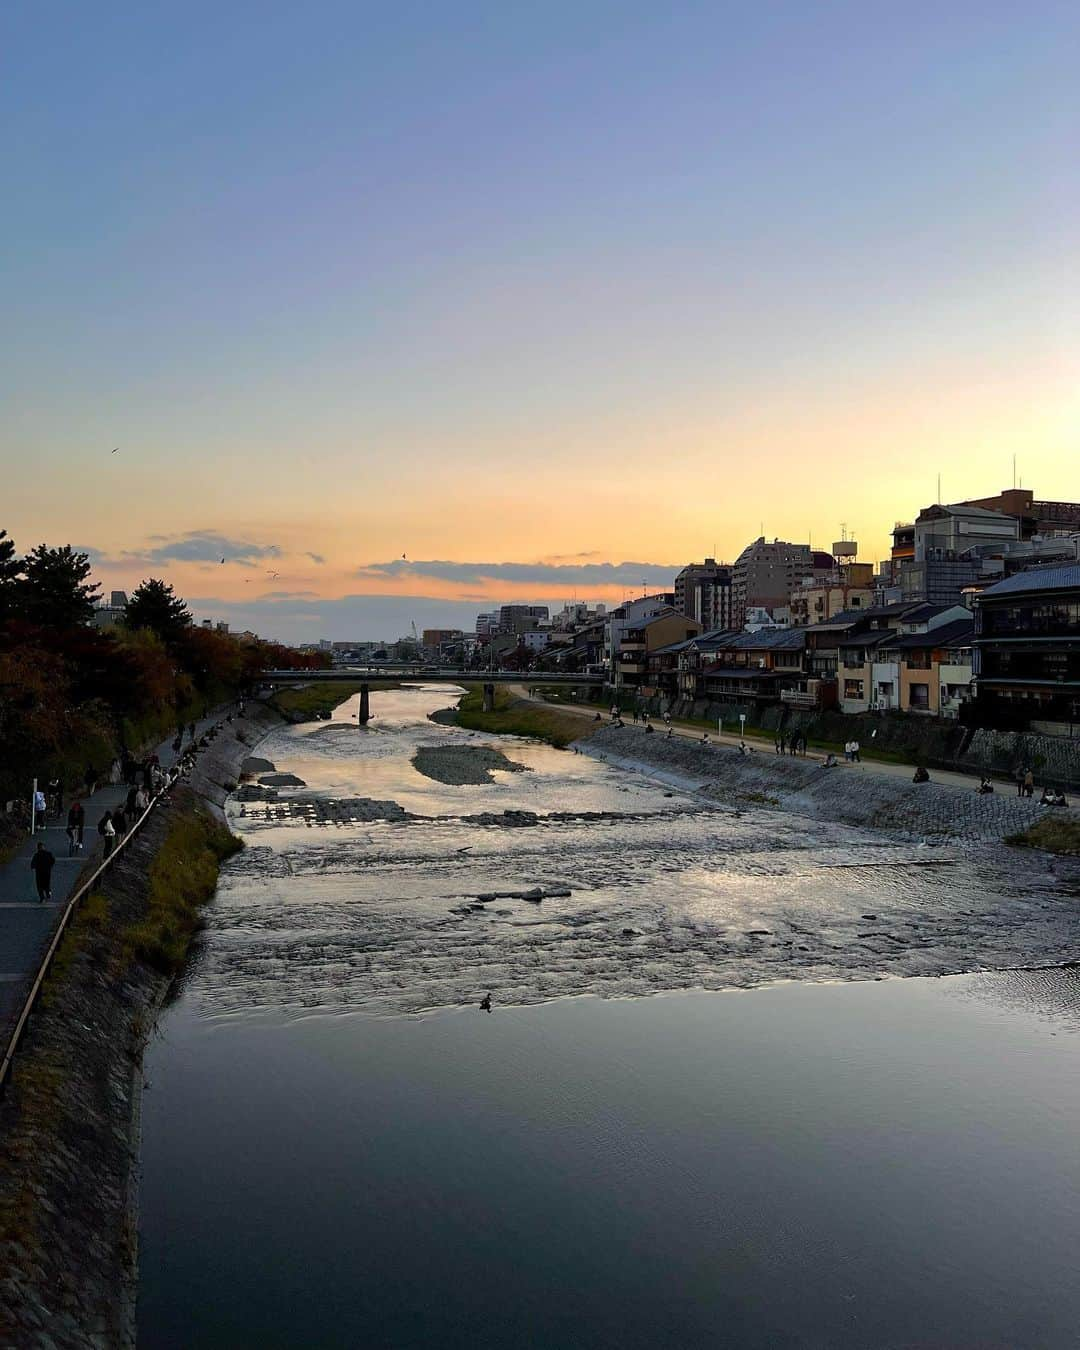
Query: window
(853, 689)
(919, 696)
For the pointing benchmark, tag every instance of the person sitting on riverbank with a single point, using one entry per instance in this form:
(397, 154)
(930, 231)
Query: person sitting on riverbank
(669, 733)
(830, 761)
(985, 786)
(921, 775)
(648, 728)
(704, 738)
(1059, 798)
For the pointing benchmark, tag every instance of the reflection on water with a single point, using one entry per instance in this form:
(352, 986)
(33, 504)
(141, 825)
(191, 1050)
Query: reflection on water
(884, 1164)
(890, 1163)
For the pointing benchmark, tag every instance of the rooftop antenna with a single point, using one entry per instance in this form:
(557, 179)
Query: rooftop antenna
(1014, 470)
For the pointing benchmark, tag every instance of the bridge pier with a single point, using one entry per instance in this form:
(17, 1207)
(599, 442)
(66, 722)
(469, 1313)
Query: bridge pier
(365, 705)
(489, 698)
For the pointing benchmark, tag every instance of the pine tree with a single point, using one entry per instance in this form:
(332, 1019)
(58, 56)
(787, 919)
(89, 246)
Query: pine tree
(10, 567)
(53, 591)
(156, 607)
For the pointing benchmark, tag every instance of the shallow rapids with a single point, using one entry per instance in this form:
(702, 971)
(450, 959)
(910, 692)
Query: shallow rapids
(363, 888)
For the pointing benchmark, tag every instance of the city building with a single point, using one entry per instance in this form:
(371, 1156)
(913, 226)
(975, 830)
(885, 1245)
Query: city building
(948, 545)
(521, 618)
(703, 591)
(765, 574)
(110, 614)
(639, 639)
(849, 585)
(1027, 652)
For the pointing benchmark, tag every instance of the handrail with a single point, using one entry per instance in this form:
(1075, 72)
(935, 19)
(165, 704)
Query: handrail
(74, 900)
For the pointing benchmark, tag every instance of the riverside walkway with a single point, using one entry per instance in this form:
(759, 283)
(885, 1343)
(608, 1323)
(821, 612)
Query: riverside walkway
(27, 925)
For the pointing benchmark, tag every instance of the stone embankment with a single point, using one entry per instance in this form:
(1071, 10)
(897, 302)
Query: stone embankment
(876, 801)
(69, 1121)
(937, 742)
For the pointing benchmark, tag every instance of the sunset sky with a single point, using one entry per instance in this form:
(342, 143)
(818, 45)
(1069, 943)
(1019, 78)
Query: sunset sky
(524, 292)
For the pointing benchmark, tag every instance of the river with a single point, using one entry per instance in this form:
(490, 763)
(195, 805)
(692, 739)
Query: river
(779, 1148)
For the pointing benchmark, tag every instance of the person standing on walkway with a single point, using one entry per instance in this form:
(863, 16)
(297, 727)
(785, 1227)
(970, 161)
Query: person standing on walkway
(107, 830)
(855, 747)
(41, 864)
(75, 825)
(90, 778)
(1029, 784)
(1020, 781)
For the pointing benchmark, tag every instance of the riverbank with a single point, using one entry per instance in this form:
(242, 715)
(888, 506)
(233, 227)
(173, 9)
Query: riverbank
(878, 801)
(515, 715)
(69, 1121)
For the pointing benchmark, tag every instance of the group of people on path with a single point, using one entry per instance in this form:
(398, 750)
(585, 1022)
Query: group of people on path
(145, 779)
(795, 744)
(1025, 787)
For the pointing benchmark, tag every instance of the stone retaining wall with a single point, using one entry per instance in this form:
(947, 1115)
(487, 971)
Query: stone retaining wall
(876, 801)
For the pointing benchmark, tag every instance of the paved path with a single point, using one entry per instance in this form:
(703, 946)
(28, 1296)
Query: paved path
(26, 925)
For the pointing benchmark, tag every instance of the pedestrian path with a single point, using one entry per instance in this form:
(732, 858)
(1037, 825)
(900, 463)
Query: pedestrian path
(26, 924)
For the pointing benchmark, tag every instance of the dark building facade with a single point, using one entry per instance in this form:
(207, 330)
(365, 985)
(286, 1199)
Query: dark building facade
(1027, 651)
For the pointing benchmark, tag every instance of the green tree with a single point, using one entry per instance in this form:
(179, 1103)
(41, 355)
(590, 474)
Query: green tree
(53, 591)
(156, 607)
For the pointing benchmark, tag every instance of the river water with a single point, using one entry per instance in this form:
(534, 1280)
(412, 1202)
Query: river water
(777, 1149)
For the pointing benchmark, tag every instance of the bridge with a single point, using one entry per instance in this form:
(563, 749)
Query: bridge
(425, 675)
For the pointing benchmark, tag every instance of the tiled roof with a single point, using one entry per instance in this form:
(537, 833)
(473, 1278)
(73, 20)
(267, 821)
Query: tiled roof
(1037, 579)
(771, 639)
(873, 637)
(959, 633)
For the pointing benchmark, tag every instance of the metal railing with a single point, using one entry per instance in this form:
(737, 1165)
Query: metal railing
(74, 900)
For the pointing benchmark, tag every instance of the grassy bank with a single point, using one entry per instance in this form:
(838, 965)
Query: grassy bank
(1055, 833)
(182, 878)
(514, 716)
(307, 703)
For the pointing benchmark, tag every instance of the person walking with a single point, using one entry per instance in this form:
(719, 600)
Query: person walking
(142, 801)
(41, 810)
(76, 823)
(107, 830)
(41, 864)
(90, 778)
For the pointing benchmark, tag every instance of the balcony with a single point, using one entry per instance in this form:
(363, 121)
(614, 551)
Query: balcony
(799, 698)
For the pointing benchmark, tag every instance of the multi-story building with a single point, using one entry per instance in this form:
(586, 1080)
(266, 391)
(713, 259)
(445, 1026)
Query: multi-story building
(1027, 651)
(521, 618)
(1033, 517)
(703, 591)
(639, 639)
(486, 624)
(764, 575)
(949, 541)
(850, 586)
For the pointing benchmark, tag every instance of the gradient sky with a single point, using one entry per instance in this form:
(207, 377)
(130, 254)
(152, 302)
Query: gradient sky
(559, 284)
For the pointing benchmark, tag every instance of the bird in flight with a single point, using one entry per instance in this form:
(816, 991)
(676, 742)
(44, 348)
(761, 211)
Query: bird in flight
(273, 575)
(113, 452)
